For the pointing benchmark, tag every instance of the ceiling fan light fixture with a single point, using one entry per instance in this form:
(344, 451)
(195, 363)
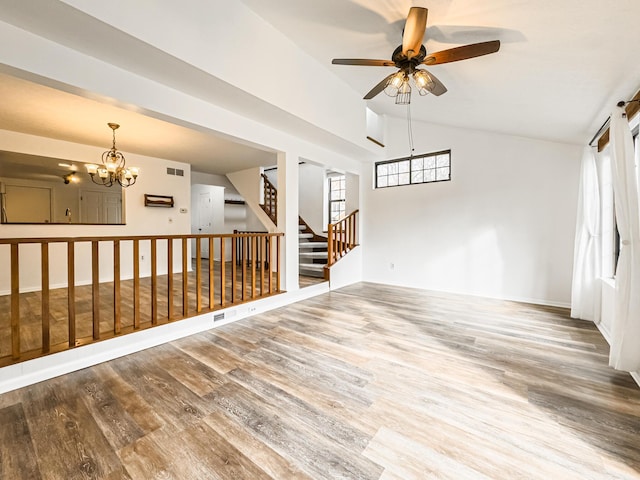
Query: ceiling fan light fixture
(424, 82)
(70, 178)
(404, 94)
(394, 84)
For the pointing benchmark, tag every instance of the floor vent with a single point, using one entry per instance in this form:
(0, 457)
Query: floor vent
(218, 316)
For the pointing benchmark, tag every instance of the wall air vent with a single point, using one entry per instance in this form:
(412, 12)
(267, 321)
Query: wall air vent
(178, 172)
(217, 317)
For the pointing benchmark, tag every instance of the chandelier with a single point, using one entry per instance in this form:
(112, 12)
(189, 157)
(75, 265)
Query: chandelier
(398, 85)
(113, 169)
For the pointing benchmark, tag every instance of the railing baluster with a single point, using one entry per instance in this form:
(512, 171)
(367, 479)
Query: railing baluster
(71, 292)
(154, 281)
(15, 302)
(170, 279)
(211, 279)
(45, 313)
(263, 260)
(117, 320)
(185, 279)
(233, 269)
(223, 273)
(278, 263)
(253, 257)
(198, 274)
(136, 284)
(243, 283)
(330, 245)
(95, 288)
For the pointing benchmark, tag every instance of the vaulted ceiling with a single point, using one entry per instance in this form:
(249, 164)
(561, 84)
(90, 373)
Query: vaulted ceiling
(561, 69)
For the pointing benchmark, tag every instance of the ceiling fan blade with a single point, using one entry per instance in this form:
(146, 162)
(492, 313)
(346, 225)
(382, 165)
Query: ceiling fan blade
(462, 53)
(378, 88)
(438, 87)
(414, 31)
(363, 62)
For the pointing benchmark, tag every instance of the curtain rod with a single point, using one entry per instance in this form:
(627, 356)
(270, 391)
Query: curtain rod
(604, 126)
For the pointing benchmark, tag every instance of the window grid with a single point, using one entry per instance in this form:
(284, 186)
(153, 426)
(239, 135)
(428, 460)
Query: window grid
(427, 168)
(337, 202)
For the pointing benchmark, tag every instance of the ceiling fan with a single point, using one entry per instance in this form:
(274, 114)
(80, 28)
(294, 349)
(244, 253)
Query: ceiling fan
(412, 53)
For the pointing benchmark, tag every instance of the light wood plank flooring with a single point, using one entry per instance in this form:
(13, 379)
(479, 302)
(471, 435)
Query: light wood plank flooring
(366, 382)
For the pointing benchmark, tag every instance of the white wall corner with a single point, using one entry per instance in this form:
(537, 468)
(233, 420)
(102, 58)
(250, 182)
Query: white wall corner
(347, 270)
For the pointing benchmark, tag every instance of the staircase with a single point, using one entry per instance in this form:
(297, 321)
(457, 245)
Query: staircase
(313, 251)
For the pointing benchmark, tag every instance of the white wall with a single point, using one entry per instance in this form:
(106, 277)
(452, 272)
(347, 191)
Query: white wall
(206, 34)
(503, 226)
(212, 179)
(311, 196)
(140, 220)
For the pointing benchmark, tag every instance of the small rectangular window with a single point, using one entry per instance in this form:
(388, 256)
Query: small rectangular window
(427, 168)
(337, 202)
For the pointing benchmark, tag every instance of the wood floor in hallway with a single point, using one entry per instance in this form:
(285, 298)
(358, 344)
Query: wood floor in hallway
(365, 382)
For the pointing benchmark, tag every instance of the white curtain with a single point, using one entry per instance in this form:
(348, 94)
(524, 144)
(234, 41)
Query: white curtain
(587, 262)
(625, 335)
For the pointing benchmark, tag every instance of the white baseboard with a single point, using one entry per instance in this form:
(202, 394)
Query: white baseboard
(533, 301)
(27, 373)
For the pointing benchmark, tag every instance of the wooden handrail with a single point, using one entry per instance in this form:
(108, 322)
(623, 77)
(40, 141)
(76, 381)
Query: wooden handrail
(258, 253)
(270, 205)
(342, 237)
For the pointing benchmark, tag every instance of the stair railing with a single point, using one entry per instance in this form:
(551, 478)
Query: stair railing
(270, 205)
(342, 237)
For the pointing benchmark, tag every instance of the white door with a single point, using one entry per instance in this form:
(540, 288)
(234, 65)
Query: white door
(113, 208)
(205, 219)
(101, 207)
(91, 207)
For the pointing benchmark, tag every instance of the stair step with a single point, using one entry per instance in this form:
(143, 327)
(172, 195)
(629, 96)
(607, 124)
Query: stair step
(311, 266)
(305, 235)
(306, 245)
(314, 254)
(301, 227)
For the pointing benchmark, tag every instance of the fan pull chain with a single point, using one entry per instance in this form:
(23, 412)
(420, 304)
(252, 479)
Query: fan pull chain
(410, 131)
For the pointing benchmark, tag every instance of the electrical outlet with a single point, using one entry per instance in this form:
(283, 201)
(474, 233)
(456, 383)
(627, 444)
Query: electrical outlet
(142, 257)
(392, 266)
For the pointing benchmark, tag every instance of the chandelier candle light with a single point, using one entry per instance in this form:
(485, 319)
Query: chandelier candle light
(113, 169)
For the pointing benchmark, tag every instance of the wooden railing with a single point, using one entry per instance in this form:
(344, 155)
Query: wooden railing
(86, 310)
(342, 237)
(270, 205)
(249, 252)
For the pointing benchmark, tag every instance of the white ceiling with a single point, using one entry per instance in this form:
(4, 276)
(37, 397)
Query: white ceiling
(35, 109)
(562, 66)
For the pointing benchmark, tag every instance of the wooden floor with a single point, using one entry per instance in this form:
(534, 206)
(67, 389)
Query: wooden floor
(365, 382)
